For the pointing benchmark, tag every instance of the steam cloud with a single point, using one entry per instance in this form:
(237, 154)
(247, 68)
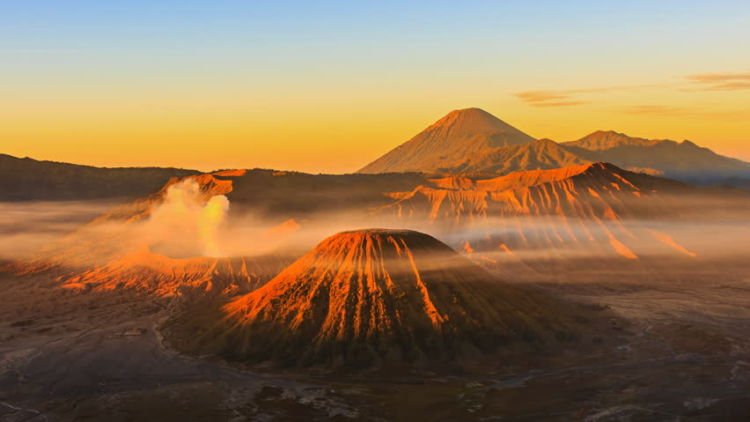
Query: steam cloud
(186, 224)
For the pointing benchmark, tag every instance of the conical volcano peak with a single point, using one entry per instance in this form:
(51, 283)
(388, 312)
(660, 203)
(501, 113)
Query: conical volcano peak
(368, 296)
(457, 140)
(383, 232)
(469, 111)
(473, 120)
(401, 239)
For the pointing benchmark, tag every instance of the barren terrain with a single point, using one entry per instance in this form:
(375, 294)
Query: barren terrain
(681, 352)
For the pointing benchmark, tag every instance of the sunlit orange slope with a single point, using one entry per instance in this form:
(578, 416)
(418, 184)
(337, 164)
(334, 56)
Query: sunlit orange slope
(162, 276)
(598, 190)
(578, 208)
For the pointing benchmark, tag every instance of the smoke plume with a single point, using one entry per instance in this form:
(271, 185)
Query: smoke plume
(186, 223)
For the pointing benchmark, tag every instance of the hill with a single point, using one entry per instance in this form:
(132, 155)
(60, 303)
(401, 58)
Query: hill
(26, 179)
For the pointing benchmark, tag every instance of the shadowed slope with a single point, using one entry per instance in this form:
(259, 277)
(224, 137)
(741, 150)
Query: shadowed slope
(381, 295)
(603, 140)
(683, 160)
(540, 154)
(26, 179)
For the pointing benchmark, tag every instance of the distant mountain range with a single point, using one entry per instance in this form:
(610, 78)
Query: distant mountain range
(464, 141)
(24, 179)
(473, 142)
(678, 160)
(469, 142)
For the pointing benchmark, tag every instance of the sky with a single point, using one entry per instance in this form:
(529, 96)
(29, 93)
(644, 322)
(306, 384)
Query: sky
(329, 86)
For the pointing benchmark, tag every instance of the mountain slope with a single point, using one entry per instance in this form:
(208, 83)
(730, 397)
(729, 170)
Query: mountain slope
(681, 160)
(540, 154)
(24, 179)
(603, 140)
(588, 190)
(162, 276)
(579, 209)
(367, 296)
(453, 143)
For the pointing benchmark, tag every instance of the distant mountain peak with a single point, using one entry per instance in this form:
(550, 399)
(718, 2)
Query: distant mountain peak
(680, 160)
(474, 118)
(607, 133)
(472, 142)
(689, 143)
(602, 140)
(455, 141)
(470, 122)
(469, 111)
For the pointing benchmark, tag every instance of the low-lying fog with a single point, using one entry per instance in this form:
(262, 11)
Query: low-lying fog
(187, 224)
(27, 227)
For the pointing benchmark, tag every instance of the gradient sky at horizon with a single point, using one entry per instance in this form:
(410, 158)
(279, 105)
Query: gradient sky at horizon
(330, 86)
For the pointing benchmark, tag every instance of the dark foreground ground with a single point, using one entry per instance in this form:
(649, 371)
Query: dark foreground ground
(684, 354)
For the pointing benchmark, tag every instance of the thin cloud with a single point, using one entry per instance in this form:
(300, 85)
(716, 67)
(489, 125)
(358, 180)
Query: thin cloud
(548, 98)
(559, 103)
(570, 97)
(671, 111)
(540, 96)
(651, 109)
(721, 81)
(702, 81)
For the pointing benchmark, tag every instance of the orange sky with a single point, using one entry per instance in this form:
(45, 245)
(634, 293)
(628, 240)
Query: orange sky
(343, 134)
(330, 88)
